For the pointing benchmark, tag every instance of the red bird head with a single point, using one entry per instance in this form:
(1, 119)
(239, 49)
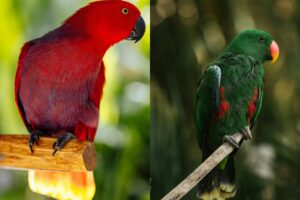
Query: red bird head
(108, 21)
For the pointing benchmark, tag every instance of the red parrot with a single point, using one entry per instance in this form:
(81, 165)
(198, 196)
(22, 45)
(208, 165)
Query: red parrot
(61, 75)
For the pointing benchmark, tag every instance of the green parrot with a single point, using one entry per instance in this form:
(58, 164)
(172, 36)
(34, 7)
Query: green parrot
(228, 100)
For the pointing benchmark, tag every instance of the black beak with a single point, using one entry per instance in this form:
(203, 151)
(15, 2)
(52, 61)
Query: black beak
(138, 30)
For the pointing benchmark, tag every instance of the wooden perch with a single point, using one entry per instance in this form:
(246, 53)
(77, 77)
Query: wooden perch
(75, 156)
(202, 170)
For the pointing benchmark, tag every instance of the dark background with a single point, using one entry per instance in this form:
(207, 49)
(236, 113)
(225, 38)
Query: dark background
(122, 140)
(186, 36)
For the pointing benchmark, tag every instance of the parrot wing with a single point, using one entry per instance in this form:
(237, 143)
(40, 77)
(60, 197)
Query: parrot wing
(23, 54)
(207, 102)
(257, 105)
(97, 91)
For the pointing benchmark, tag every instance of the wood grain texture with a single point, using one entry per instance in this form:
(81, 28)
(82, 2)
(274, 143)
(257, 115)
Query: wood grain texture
(75, 156)
(202, 170)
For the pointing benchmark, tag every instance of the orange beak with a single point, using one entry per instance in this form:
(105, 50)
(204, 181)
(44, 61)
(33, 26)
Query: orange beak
(274, 51)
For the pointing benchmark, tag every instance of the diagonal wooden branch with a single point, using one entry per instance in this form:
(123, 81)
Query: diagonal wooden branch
(202, 170)
(75, 156)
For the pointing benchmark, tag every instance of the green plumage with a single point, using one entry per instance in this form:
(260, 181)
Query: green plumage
(229, 98)
(240, 75)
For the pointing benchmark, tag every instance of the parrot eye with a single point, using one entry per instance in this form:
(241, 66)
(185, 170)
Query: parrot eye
(261, 39)
(125, 11)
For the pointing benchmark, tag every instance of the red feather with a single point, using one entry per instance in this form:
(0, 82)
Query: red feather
(224, 105)
(252, 105)
(24, 50)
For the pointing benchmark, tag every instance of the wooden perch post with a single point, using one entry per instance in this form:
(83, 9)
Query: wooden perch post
(75, 156)
(202, 170)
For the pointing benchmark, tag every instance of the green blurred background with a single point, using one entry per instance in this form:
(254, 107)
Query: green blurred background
(186, 35)
(122, 140)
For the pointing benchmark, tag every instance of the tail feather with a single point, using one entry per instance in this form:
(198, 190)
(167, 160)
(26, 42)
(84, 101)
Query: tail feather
(227, 177)
(63, 185)
(219, 184)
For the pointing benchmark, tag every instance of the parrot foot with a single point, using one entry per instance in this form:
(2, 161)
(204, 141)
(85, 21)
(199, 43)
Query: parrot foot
(61, 141)
(230, 140)
(34, 138)
(246, 133)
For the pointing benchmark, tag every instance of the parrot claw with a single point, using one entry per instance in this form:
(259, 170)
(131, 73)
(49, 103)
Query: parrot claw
(231, 141)
(61, 141)
(246, 133)
(34, 138)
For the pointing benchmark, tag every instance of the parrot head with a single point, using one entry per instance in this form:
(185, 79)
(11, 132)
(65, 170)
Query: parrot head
(108, 21)
(256, 43)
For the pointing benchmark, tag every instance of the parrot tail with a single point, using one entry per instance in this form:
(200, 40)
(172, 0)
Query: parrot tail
(63, 185)
(219, 184)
